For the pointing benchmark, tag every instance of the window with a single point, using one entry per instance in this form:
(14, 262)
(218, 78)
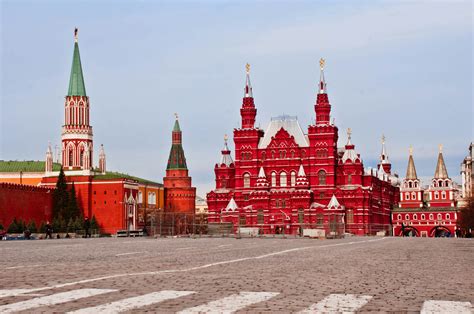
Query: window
(423, 217)
(70, 157)
(448, 217)
(274, 179)
(413, 195)
(246, 180)
(399, 217)
(431, 217)
(415, 217)
(443, 195)
(303, 153)
(300, 215)
(263, 155)
(260, 218)
(436, 195)
(81, 156)
(242, 220)
(409, 184)
(439, 217)
(283, 204)
(292, 154)
(283, 182)
(293, 178)
(349, 179)
(407, 196)
(322, 195)
(277, 203)
(320, 219)
(407, 217)
(140, 197)
(322, 177)
(273, 154)
(282, 154)
(350, 216)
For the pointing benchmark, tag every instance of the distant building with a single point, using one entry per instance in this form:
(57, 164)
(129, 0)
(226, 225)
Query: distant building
(467, 176)
(201, 206)
(426, 212)
(283, 179)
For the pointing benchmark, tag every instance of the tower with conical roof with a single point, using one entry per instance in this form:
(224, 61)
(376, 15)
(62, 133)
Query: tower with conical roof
(384, 161)
(76, 137)
(225, 169)
(411, 192)
(441, 190)
(180, 196)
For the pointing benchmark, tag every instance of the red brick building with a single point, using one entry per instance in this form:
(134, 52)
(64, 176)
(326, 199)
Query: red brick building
(426, 212)
(25, 202)
(284, 178)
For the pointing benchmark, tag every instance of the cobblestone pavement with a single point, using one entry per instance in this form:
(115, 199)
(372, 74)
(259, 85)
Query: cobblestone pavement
(364, 274)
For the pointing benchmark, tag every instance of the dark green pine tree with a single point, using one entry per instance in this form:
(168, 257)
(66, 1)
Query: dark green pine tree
(60, 196)
(73, 210)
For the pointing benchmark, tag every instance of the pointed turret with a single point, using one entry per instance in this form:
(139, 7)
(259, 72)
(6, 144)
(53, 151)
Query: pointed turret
(262, 179)
(334, 203)
(102, 167)
(49, 159)
(411, 170)
(248, 110)
(322, 107)
(350, 153)
(176, 159)
(226, 159)
(384, 161)
(301, 179)
(76, 81)
(441, 172)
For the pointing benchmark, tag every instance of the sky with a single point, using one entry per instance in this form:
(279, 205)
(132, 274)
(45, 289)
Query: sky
(399, 68)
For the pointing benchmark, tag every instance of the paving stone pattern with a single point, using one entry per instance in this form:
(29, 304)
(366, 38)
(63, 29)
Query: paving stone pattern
(261, 274)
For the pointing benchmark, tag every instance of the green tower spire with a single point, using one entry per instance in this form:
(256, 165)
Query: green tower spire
(76, 81)
(176, 160)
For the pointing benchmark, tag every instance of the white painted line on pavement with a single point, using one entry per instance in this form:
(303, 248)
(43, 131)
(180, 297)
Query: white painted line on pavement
(170, 271)
(337, 303)
(129, 253)
(23, 266)
(53, 299)
(447, 307)
(231, 303)
(13, 292)
(225, 245)
(134, 302)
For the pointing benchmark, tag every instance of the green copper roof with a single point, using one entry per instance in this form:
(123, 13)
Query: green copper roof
(25, 166)
(176, 159)
(176, 127)
(76, 82)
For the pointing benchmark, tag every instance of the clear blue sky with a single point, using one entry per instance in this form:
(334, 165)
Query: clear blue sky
(402, 68)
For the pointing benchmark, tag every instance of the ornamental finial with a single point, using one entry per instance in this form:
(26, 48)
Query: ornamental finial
(247, 68)
(440, 148)
(383, 139)
(176, 115)
(322, 62)
(225, 138)
(76, 30)
(349, 133)
(411, 150)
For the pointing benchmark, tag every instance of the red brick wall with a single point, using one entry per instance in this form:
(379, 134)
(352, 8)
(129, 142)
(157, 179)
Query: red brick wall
(25, 202)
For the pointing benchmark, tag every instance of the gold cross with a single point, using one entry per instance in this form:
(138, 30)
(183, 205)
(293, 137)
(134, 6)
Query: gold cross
(247, 68)
(322, 62)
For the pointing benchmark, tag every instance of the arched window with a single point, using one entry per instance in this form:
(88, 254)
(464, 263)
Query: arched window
(292, 154)
(263, 155)
(409, 184)
(415, 217)
(273, 154)
(407, 217)
(140, 197)
(70, 157)
(443, 195)
(423, 217)
(274, 178)
(399, 217)
(293, 178)
(349, 179)
(322, 177)
(283, 182)
(407, 196)
(431, 217)
(81, 157)
(350, 216)
(413, 195)
(246, 180)
(436, 195)
(439, 217)
(448, 217)
(277, 203)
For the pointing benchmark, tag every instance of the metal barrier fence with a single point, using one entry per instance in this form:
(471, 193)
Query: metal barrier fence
(197, 225)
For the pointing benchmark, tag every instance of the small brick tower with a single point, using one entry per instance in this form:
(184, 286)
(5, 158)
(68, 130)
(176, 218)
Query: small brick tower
(180, 196)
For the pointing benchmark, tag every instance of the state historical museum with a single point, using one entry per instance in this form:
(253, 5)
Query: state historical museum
(284, 179)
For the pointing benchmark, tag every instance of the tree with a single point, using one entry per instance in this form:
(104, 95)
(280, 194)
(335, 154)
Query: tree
(1, 227)
(94, 224)
(13, 227)
(72, 208)
(32, 226)
(42, 228)
(60, 196)
(466, 219)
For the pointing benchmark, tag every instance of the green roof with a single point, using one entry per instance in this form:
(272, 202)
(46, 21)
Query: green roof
(25, 166)
(176, 127)
(76, 82)
(118, 175)
(177, 160)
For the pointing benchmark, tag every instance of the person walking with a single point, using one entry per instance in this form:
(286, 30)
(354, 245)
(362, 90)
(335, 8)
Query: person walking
(87, 226)
(49, 230)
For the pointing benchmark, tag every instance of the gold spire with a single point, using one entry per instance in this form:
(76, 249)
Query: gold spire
(322, 62)
(225, 138)
(76, 30)
(410, 149)
(247, 68)
(440, 146)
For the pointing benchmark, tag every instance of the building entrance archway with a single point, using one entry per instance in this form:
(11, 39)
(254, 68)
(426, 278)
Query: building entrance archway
(440, 232)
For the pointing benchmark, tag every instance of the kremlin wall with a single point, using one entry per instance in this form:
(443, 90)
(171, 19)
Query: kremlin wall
(282, 179)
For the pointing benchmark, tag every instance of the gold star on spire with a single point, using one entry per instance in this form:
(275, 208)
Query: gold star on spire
(440, 148)
(247, 68)
(410, 150)
(322, 62)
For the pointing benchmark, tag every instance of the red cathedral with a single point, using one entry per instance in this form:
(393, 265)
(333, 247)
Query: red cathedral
(283, 179)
